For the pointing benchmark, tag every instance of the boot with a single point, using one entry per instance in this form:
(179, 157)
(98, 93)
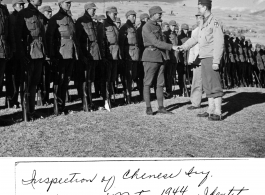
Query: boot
(217, 116)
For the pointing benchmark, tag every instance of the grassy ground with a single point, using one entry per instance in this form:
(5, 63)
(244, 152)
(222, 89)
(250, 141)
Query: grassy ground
(127, 132)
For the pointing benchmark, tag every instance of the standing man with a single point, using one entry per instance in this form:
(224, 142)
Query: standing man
(196, 86)
(153, 59)
(13, 69)
(46, 72)
(32, 46)
(211, 41)
(108, 34)
(140, 69)
(89, 54)
(129, 52)
(61, 41)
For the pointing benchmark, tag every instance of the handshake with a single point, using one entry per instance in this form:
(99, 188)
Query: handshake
(177, 48)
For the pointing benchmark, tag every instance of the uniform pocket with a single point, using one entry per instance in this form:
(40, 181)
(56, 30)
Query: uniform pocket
(63, 28)
(90, 31)
(134, 53)
(31, 23)
(111, 35)
(131, 36)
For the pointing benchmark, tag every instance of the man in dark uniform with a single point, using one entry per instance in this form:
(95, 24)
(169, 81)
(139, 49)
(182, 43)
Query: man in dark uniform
(108, 34)
(44, 85)
(153, 59)
(129, 52)
(140, 69)
(32, 46)
(89, 54)
(13, 69)
(260, 65)
(183, 62)
(61, 41)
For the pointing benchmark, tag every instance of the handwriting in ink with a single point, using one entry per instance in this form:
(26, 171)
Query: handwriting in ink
(142, 191)
(51, 181)
(191, 172)
(138, 175)
(109, 183)
(174, 191)
(231, 192)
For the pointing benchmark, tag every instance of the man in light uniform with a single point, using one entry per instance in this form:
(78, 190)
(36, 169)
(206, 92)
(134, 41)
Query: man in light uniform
(211, 41)
(196, 86)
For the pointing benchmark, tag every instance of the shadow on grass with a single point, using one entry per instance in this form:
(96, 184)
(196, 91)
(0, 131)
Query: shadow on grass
(239, 101)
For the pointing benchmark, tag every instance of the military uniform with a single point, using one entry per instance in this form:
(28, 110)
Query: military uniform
(108, 34)
(130, 53)
(89, 53)
(260, 64)
(32, 48)
(140, 67)
(7, 45)
(61, 41)
(13, 68)
(211, 41)
(153, 59)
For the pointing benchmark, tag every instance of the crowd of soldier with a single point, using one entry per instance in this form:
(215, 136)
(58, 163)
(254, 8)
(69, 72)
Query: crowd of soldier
(40, 48)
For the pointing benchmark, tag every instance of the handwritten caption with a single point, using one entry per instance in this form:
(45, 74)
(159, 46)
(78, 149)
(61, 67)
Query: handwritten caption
(173, 183)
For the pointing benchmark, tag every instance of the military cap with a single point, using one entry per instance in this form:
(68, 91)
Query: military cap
(184, 27)
(90, 6)
(17, 2)
(155, 10)
(198, 14)
(118, 20)
(61, 1)
(130, 12)
(45, 8)
(164, 24)
(112, 9)
(258, 45)
(172, 23)
(205, 2)
(101, 17)
(143, 16)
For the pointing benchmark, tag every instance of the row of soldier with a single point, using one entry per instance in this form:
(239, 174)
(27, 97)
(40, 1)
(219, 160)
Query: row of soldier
(45, 48)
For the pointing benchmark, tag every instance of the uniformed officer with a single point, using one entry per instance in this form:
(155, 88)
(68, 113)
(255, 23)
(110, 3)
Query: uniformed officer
(32, 48)
(144, 17)
(183, 62)
(61, 41)
(211, 41)
(13, 69)
(44, 85)
(129, 52)
(153, 59)
(89, 54)
(108, 34)
(193, 60)
(260, 64)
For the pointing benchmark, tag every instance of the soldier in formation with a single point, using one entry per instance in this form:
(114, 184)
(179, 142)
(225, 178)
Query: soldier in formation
(41, 49)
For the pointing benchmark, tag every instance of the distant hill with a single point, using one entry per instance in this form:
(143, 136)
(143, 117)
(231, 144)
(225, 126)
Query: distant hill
(259, 13)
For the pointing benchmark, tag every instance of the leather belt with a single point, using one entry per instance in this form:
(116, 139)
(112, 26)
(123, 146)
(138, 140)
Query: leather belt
(67, 37)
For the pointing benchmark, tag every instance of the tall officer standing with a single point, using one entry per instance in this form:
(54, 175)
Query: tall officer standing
(89, 54)
(140, 69)
(13, 69)
(129, 52)
(61, 41)
(153, 59)
(32, 46)
(108, 34)
(211, 41)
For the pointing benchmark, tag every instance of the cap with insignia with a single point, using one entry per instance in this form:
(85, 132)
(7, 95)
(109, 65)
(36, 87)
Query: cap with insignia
(143, 16)
(172, 23)
(118, 20)
(90, 6)
(130, 12)
(205, 2)
(155, 10)
(14, 2)
(184, 26)
(112, 9)
(62, 1)
(164, 24)
(45, 8)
